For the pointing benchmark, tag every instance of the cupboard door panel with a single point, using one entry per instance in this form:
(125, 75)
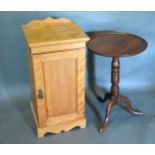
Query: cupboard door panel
(60, 86)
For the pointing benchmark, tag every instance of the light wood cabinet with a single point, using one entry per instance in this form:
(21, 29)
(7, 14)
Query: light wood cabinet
(57, 71)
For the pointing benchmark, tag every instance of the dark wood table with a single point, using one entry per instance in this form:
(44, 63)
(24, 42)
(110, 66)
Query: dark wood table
(116, 45)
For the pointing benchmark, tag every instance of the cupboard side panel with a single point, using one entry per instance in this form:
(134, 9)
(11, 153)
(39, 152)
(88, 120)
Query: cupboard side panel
(81, 83)
(32, 83)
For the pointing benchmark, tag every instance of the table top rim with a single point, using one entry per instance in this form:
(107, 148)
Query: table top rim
(100, 34)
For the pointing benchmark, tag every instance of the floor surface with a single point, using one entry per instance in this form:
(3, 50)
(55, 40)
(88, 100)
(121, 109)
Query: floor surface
(17, 126)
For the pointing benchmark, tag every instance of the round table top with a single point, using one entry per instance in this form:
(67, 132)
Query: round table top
(115, 44)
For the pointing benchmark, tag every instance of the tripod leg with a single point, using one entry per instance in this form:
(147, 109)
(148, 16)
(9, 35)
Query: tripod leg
(107, 117)
(106, 97)
(125, 101)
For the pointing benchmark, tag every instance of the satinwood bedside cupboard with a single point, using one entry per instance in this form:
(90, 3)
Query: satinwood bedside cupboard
(57, 70)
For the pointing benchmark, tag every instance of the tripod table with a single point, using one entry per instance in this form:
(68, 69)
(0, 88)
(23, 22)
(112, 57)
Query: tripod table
(116, 45)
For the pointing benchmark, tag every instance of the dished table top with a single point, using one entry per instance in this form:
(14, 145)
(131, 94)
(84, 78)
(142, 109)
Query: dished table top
(115, 44)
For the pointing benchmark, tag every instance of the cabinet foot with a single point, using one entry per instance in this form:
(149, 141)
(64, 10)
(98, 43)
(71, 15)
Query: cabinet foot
(61, 127)
(57, 128)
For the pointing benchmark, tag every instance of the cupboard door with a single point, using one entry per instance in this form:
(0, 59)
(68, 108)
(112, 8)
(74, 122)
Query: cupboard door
(63, 85)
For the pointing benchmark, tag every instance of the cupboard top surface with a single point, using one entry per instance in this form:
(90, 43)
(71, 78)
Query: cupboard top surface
(53, 31)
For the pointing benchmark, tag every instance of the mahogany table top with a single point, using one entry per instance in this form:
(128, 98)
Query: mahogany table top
(116, 44)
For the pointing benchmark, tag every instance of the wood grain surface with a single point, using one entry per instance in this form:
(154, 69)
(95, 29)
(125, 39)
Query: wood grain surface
(116, 44)
(52, 31)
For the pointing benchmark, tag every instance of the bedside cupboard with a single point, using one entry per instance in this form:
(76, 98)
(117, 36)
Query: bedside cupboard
(56, 49)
